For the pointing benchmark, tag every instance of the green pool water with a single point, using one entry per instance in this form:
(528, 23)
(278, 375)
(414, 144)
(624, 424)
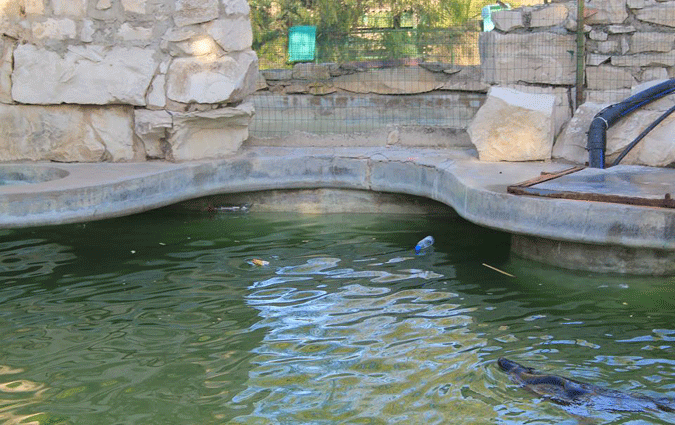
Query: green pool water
(160, 318)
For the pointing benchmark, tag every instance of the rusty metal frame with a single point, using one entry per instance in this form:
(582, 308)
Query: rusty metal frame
(525, 188)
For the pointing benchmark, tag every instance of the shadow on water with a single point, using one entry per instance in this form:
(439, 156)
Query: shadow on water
(162, 318)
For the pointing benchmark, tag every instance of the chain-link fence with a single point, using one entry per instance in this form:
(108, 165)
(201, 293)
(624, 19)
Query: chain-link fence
(372, 78)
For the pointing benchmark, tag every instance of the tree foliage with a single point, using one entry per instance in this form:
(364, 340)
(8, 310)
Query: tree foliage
(336, 19)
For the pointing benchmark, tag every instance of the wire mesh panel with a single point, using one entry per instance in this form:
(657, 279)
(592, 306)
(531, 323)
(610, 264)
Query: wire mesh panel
(400, 69)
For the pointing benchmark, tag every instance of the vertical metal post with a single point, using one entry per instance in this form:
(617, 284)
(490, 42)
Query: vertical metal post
(581, 53)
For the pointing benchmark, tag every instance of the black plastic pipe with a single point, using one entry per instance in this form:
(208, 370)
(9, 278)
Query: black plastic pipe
(597, 132)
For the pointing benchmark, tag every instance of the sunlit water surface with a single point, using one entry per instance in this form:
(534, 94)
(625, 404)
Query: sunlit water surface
(161, 318)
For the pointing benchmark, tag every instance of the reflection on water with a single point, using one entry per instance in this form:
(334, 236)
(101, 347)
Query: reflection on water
(163, 318)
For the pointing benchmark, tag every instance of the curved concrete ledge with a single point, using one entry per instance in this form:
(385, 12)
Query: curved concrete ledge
(476, 190)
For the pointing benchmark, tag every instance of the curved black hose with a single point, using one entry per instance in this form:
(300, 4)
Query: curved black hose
(603, 120)
(651, 126)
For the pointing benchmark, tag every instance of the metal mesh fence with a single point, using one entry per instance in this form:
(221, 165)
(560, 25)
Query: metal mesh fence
(372, 78)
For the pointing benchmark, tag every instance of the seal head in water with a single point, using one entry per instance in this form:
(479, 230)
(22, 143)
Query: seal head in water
(567, 391)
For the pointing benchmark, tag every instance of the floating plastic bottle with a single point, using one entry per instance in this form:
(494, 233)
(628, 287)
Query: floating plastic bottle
(424, 244)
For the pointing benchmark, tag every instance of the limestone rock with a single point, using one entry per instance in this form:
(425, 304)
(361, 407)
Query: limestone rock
(571, 144)
(106, 4)
(76, 8)
(541, 58)
(507, 20)
(513, 126)
(659, 13)
(134, 6)
(467, 79)
(645, 59)
(210, 134)
(6, 50)
(129, 33)
(401, 80)
(152, 127)
(651, 42)
(65, 133)
(548, 15)
(607, 77)
(607, 11)
(190, 12)
(56, 29)
(34, 7)
(157, 93)
(231, 34)
(656, 149)
(44, 77)
(212, 79)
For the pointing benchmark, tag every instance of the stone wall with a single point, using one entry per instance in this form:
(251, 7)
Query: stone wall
(629, 44)
(123, 80)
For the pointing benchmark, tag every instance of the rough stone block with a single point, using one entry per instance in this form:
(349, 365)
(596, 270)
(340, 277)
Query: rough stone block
(606, 77)
(56, 29)
(211, 134)
(132, 6)
(607, 12)
(548, 16)
(152, 128)
(659, 13)
(233, 34)
(514, 126)
(541, 58)
(190, 12)
(212, 79)
(66, 133)
(656, 149)
(408, 80)
(84, 75)
(76, 8)
(571, 144)
(34, 7)
(507, 20)
(651, 42)
(645, 59)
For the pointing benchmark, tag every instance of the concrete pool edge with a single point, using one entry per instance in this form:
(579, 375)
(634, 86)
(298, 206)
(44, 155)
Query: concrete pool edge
(476, 190)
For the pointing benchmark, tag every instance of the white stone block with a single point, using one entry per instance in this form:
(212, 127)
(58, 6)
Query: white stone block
(660, 13)
(134, 6)
(507, 20)
(76, 8)
(35, 7)
(65, 133)
(607, 11)
(88, 31)
(548, 15)
(514, 126)
(157, 93)
(607, 77)
(55, 29)
(232, 34)
(128, 33)
(651, 42)
(212, 79)
(190, 12)
(152, 129)
(84, 75)
(211, 134)
(540, 58)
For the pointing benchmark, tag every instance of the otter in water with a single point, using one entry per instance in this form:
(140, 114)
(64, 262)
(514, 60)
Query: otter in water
(568, 392)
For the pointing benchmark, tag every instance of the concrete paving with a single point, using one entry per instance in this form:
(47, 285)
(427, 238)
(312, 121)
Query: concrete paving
(476, 190)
